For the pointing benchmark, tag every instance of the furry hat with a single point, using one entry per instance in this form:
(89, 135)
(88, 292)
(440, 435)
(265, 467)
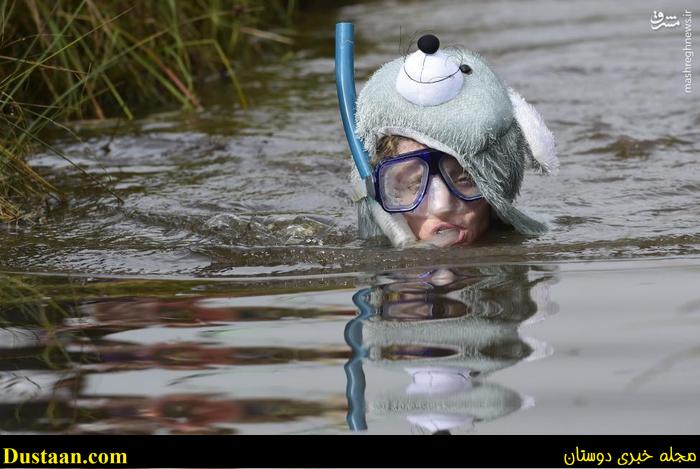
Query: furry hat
(452, 101)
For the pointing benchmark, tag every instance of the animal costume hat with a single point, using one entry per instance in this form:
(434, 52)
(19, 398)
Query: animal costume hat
(449, 100)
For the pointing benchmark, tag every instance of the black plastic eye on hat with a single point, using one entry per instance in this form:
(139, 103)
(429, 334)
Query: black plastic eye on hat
(466, 69)
(428, 44)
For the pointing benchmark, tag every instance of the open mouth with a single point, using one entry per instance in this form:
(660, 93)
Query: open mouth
(443, 227)
(453, 234)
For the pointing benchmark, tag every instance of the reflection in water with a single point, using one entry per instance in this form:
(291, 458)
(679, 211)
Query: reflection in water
(55, 353)
(448, 329)
(170, 414)
(202, 357)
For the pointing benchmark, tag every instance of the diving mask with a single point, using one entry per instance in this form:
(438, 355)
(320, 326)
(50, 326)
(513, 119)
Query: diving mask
(401, 183)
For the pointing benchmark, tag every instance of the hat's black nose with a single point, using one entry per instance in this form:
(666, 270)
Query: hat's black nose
(428, 44)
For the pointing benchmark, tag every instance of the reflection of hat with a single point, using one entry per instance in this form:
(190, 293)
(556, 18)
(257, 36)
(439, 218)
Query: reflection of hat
(449, 411)
(450, 100)
(442, 394)
(476, 343)
(404, 326)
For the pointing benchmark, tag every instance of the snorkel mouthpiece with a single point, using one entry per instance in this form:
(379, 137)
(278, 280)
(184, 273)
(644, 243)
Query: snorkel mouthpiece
(345, 84)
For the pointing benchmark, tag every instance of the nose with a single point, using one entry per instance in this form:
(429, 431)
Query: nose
(440, 199)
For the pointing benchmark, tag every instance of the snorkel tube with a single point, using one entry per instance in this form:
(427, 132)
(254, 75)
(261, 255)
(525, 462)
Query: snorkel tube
(345, 83)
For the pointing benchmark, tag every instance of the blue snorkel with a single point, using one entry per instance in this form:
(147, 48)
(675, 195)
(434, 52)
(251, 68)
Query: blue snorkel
(345, 83)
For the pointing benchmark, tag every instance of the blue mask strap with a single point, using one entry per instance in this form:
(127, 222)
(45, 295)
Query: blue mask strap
(345, 83)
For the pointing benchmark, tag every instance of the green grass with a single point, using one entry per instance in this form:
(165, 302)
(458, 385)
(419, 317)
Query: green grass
(93, 59)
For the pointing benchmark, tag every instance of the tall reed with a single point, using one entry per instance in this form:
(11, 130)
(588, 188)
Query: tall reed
(91, 59)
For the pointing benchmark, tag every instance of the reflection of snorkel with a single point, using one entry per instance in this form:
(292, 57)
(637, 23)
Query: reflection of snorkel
(355, 391)
(449, 330)
(345, 83)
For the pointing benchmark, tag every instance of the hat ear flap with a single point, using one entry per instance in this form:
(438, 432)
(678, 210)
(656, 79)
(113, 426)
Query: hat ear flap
(537, 135)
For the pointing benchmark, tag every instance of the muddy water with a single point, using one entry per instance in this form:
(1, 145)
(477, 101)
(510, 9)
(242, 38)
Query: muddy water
(583, 347)
(229, 292)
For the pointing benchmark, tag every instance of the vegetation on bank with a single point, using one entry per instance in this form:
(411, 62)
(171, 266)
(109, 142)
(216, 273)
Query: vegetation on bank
(92, 59)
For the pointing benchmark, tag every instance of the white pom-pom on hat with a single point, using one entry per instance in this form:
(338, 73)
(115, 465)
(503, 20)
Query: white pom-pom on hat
(429, 77)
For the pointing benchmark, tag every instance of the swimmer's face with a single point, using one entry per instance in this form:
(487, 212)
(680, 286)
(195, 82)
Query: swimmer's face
(441, 210)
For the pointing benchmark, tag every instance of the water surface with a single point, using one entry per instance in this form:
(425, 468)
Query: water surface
(229, 192)
(583, 347)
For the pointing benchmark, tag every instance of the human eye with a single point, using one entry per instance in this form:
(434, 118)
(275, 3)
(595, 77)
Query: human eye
(464, 179)
(413, 181)
(409, 175)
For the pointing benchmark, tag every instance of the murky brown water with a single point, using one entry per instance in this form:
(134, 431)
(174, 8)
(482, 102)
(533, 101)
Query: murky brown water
(238, 256)
(551, 348)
